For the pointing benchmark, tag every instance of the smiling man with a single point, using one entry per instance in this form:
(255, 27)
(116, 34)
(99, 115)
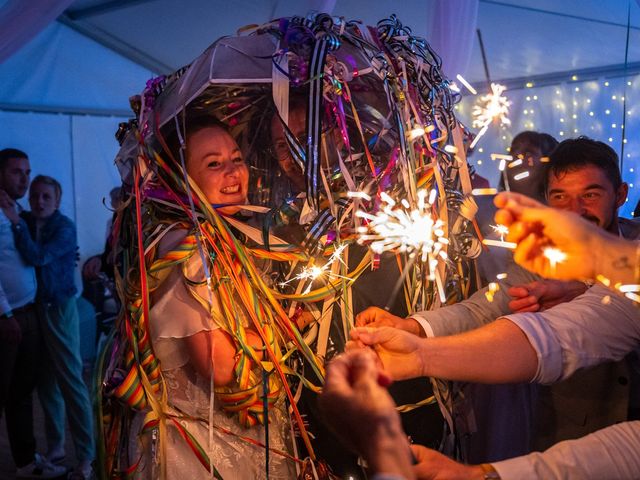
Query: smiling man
(584, 178)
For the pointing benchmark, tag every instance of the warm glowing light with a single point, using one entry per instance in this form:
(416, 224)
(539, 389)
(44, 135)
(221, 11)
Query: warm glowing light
(403, 227)
(499, 243)
(501, 230)
(501, 156)
(484, 191)
(492, 288)
(554, 255)
(515, 163)
(416, 133)
(362, 195)
(491, 107)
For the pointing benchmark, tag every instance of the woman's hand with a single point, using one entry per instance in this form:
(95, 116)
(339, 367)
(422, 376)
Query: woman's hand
(401, 353)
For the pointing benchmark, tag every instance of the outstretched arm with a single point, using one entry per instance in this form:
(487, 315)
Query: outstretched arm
(496, 353)
(589, 250)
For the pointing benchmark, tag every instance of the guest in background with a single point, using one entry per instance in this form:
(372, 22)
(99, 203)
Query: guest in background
(20, 336)
(47, 240)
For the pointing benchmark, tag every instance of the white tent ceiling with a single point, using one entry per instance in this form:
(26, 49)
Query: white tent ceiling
(543, 39)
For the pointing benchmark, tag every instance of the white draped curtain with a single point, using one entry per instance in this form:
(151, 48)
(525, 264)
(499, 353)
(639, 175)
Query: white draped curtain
(451, 28)
(21, 21)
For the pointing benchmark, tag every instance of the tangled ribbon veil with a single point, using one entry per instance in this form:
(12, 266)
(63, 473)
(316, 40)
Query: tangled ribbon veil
(383, 162)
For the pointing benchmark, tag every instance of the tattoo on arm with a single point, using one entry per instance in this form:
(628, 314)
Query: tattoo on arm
(623, 263)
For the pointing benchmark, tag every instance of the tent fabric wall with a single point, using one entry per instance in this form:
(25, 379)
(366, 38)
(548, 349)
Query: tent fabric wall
(62, 69)
(20, 21)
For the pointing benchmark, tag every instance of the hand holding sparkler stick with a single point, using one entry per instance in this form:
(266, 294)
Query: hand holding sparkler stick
(562, 245)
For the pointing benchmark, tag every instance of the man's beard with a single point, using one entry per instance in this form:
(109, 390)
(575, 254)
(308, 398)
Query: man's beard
(592, 219)
(609, 226)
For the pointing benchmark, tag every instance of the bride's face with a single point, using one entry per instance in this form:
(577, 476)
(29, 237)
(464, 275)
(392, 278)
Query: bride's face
(215, 163)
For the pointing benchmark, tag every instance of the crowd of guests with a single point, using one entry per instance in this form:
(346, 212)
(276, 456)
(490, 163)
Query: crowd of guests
(547, 358)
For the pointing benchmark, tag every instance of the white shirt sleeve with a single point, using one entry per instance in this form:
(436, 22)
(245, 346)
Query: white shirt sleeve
(595, 327)
(611, 453)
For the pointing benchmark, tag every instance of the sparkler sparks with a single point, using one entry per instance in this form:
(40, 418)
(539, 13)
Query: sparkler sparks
(492, 288)
(492, 106)
(554, 256)
(501, 230)
(522, 175)
(401, 227)
(315, 272)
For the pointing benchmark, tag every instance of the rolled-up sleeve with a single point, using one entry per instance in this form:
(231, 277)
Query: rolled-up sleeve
(596, 327)
(610, 453)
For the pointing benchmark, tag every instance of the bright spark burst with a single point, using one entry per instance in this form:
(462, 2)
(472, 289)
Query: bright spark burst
(554, 256)
(492, 106)
(316, 272)
(398, 226)
(501, 230)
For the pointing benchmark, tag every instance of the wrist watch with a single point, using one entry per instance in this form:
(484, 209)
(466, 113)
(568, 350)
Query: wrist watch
(489, 473)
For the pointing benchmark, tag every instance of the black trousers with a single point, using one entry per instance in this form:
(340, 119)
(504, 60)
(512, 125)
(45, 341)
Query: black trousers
(19, 366)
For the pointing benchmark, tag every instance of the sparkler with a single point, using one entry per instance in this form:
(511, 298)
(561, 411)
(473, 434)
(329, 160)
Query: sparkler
(399, 227)
(489, 107)
(554, 256)
(484, 191)
(315, 272)
(501, 230)
(492, 106)
(462, 80)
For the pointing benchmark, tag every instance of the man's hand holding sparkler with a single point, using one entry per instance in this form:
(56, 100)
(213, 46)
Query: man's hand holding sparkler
(401, 353)
(539, 231)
